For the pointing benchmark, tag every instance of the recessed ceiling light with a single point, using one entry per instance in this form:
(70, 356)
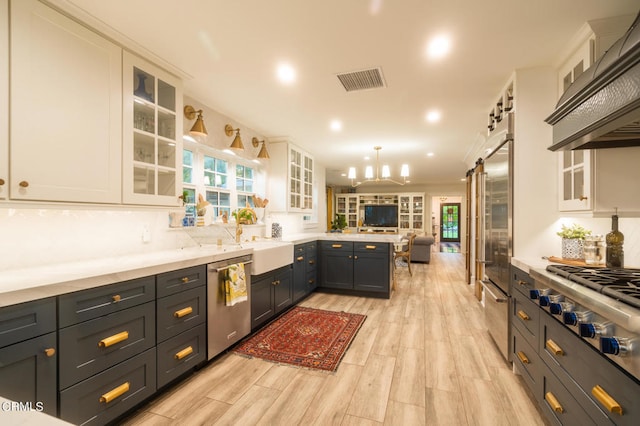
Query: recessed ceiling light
(439, 47)
(336, 125)
(286, 73)
(430, 154)
(343, 174)
(433, 116)
(367, 158)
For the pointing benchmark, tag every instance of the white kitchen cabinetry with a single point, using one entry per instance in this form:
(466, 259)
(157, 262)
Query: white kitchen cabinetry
(290, 178)
(4, 99)
(411, 212)
(152, 158)
(66, 100)
(347, 205)
(577, 172)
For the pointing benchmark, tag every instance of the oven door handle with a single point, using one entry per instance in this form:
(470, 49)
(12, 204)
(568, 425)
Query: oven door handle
(484, 262)
(497, 299)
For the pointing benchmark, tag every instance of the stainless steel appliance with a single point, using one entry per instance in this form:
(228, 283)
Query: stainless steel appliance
(601, 109)
(226, 325)
(497, 233)
(600, 305)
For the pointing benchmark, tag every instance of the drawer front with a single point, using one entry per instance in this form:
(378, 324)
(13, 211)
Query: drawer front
(26, 320)
(180, 312)
(345, 247)
(28, 372)
(525, 316)
(371, 247)
(180, 354)
(593, 373)
(528, 363)
(560, 405)
(84, 349)
(86, 402)
(183, 279)
(521, 282)
(89, 304)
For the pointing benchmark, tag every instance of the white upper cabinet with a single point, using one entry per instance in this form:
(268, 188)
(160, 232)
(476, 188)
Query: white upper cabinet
(291, 183)
(4, 99)
(152, 137)
(586, 184)
(65, 109)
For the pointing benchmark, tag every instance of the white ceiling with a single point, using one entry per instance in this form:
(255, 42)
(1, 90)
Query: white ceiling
(229, 51)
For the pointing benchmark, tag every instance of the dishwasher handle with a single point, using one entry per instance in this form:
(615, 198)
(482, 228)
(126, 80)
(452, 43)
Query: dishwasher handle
(224, 268)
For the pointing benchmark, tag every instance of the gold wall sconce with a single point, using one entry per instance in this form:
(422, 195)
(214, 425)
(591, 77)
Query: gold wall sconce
(198, 128)
(263, 151)
(237, 142)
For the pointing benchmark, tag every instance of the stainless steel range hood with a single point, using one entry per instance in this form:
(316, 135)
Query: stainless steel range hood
(601, 109)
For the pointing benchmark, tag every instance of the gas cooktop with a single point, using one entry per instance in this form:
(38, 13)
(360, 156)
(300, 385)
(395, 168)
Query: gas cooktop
(620, 284)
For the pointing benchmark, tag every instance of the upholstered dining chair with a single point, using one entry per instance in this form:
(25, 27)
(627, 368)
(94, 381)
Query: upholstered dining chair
(405, 252)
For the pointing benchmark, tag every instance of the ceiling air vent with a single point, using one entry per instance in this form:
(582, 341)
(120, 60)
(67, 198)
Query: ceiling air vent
(362, 80)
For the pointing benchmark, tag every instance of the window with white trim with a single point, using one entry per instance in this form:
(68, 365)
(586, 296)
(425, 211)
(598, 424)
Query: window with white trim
(244, 185)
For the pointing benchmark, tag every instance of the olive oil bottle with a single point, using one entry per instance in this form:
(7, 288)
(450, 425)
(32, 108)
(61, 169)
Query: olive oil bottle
(615, 240)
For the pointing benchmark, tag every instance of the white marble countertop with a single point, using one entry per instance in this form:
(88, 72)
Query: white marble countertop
(525, 264)
(23, 285)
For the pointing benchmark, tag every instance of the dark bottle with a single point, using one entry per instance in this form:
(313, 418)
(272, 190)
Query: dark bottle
(615, 239)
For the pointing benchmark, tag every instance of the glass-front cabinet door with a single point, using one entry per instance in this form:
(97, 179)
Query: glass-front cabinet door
(152, 134)
(295, 179)
(417, 212)
(405, 212)
(575, 181)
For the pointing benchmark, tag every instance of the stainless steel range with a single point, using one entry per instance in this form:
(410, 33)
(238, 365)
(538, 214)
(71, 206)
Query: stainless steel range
(600, 305)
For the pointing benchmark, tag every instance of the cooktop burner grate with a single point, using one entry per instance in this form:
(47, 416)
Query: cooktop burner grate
(620, 284)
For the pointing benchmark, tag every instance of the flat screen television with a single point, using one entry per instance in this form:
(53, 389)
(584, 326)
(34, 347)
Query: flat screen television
(381, 216)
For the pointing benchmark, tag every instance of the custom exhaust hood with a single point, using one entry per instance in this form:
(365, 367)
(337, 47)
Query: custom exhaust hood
(601, 109)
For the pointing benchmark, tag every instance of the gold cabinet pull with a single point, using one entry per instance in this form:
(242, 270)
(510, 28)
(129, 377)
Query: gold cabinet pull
(183, 353)
(523, 316)
(185, 280)
(312, 262)
(370, 247)
(553, 402)
(336, 245)
(114, 393)
(24, 184)
(50, 352)
(112, 340)
(116, 298)
(605, 399)
(523, 358)
(1, 182)
(582, 198)
(300, 258)
(554, 348)
(183, 312)
(521, 282)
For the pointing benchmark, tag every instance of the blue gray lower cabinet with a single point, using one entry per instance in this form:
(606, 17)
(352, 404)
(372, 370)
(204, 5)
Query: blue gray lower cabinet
(561, 369)
(356, 267)
(109, 394)
(271, 293)
(181, 353)
(28, 354)
(304, 270)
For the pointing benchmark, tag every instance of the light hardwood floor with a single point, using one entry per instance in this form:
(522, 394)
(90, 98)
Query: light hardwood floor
(421, 358)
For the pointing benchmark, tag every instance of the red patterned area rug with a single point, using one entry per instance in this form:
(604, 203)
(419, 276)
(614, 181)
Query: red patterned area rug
(304, 337)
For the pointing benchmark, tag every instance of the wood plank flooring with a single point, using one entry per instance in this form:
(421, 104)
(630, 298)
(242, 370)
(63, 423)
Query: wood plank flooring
(421, 358)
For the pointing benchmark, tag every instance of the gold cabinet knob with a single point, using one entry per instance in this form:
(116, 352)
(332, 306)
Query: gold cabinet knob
(116, 298)
(582, 198)
(50, 352)
(185, 280)
(1, 182)
(554, 348)
(553, 402)
(24, 184)
(521, 282)
(605, 399)
(300, 258)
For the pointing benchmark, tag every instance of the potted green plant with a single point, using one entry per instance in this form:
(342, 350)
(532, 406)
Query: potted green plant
(573, 241)
(339, 224)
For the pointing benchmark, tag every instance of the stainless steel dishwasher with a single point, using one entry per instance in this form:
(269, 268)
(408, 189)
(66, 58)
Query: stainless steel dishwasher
(226, 325)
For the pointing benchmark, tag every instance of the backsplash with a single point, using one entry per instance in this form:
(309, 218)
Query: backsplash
(40, 236)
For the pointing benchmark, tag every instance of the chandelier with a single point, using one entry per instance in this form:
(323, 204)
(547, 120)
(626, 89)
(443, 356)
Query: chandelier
(384, 176)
